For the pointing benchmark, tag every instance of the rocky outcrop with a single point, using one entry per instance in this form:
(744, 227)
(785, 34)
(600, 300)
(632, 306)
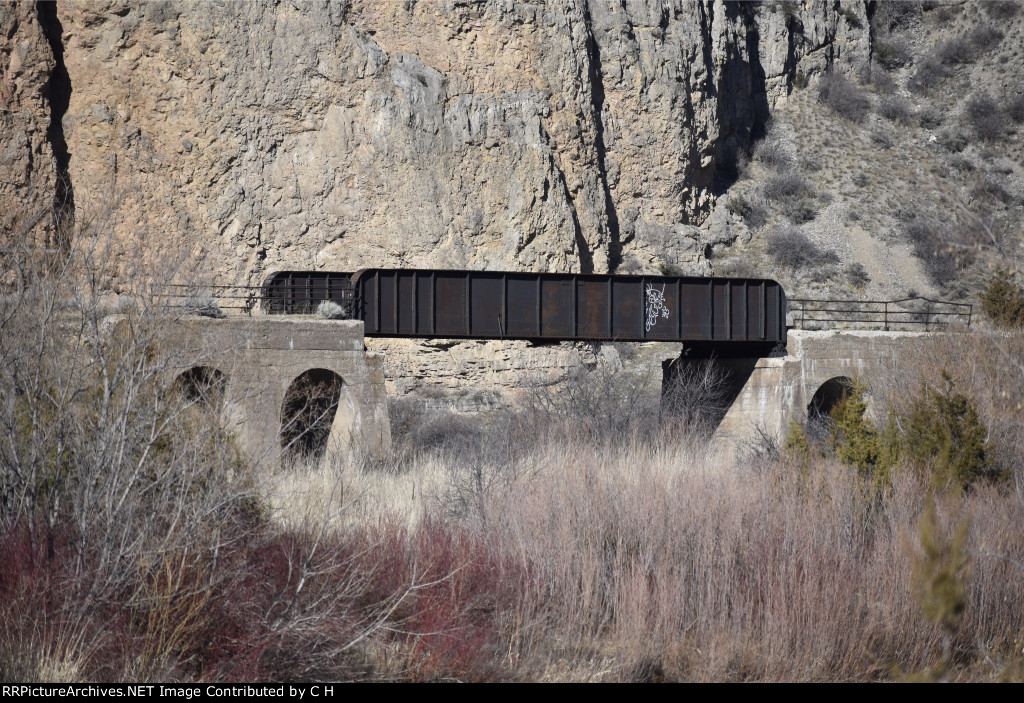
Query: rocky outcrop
(471, 377)
(33, 157)
(570, 136)
(574, 135)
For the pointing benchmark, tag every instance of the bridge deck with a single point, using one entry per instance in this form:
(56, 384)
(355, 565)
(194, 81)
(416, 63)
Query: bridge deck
(543, 306)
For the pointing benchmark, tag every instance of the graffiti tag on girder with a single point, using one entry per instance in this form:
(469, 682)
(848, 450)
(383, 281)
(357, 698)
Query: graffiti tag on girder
(655, 306)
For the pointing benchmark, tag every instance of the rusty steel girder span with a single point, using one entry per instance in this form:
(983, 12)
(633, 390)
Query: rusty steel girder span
(723, 313)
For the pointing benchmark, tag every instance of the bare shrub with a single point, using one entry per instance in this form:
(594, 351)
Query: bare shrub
(737, 267)
(330, 310)
(786, 186)
(204, 305)
(600, 405)
(962, 164)
(851, 17)
(424, 427)
(801, 211)
(791, 248)
(857, 276)
(955, 51)
(891, 52)
(630, 264)
(952, 139)
(793, 195)
(944, 13)
(985, 118)
(881, 137)
(928, 75)
(697, 396)
(967, 48)
(773, 154)
(880, 78)
(1001, 10)
(843, 97)
(930, 240)
(812, 162)
(943, 248)
(895, 15)
(985, 37)
(753, 212)
(989, 190)
(930, 117)
(982, 229)
(1015, 109)
(896, 109)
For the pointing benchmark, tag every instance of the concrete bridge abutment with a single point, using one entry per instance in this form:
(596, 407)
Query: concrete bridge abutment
(300, 387)
(289, 388)
(815, 368)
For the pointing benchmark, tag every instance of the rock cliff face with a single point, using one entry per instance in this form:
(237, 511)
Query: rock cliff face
(568, 135)
(33, 156)
(571, 135)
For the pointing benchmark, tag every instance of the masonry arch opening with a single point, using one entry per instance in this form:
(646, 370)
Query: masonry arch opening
(307, 415)
(202, 385)
(827, 397)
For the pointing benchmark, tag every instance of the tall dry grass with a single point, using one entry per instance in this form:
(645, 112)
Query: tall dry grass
(647, 558)
(638, 554)
(649, 562)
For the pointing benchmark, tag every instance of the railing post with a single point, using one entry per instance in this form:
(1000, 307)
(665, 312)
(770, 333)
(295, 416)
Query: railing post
(928, 317)
(886, 316)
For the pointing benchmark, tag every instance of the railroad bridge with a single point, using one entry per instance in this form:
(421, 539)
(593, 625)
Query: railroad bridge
(294, 385)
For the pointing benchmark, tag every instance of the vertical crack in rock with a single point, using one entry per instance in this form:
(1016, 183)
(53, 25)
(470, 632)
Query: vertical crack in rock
(711, 91)
(586, 256)
(58, 95)
(870, 8)
(742, 76)
(597, 100)
(793, 27)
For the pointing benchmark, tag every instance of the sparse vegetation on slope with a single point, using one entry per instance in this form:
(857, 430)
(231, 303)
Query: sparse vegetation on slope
(911, 165)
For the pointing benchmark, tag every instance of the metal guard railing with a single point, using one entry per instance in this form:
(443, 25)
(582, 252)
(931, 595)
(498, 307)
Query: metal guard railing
(249, 299)
(907, 313)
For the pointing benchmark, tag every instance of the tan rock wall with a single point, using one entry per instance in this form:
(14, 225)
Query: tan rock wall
(562, 136)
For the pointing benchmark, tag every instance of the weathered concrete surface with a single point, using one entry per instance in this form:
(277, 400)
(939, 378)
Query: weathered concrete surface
(261, 358)
(780, 389)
